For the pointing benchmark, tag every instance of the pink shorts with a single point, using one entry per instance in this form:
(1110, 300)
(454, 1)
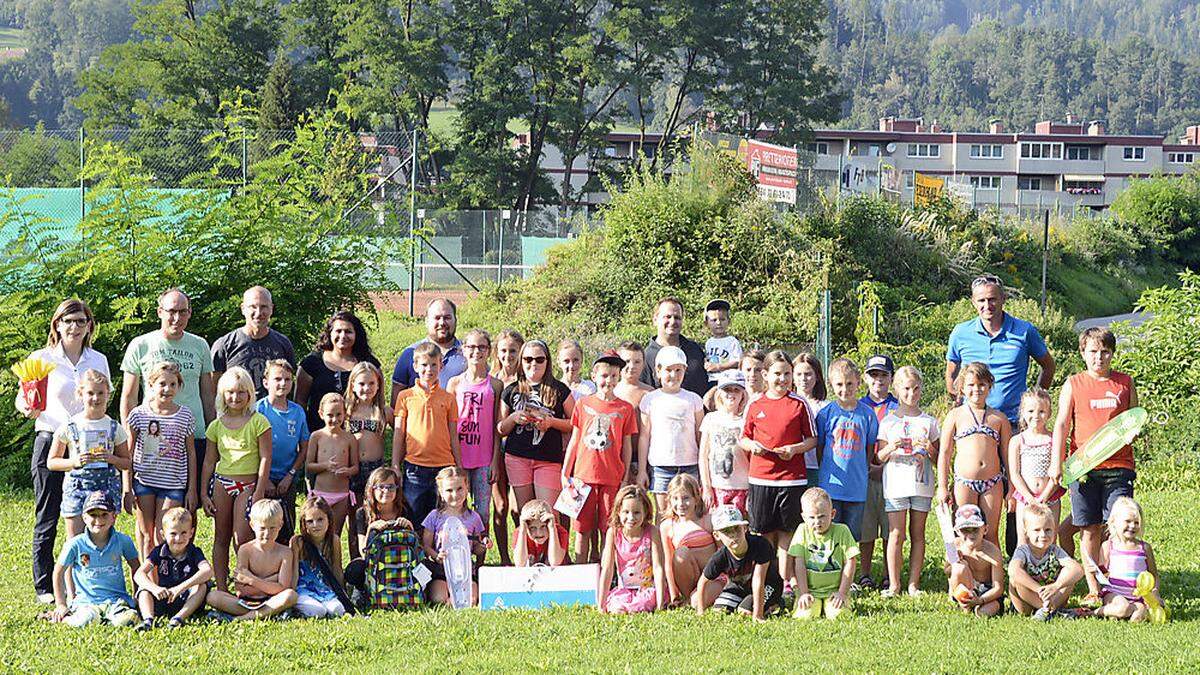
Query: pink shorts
(735, 497)
(523, 471)
(631, 600)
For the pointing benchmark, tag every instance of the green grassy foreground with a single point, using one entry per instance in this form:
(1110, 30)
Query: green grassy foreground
(908, 635)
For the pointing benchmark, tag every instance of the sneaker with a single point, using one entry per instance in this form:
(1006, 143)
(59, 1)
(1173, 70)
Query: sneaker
(145, 626)
(1077, 613)
(889, 593)
(866, 583)
(1043, 614)
(914, 592)
(45, 598)
(175, 622)
(219, 616)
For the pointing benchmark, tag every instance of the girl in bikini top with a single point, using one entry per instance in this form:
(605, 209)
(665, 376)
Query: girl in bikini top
(978, 427)
(686, 537)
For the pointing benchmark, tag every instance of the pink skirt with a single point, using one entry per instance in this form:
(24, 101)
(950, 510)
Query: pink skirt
(631, 600)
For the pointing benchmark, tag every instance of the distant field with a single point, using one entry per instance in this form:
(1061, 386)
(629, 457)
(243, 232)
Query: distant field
(12, 38)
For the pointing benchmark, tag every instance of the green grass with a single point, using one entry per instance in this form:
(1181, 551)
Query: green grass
(906, 635)
(11, 38)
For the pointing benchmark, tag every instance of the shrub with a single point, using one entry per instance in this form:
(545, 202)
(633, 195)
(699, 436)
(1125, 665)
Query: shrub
(1165, 212)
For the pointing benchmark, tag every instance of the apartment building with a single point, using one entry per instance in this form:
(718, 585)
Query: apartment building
(1065, 165)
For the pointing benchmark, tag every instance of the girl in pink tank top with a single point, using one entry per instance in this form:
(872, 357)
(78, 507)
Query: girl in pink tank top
(1124, 556)
(478, 396)
(633, 554)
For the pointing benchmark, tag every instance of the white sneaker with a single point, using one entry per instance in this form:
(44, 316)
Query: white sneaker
(46, 598)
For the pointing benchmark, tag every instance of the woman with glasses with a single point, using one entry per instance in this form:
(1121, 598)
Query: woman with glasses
(535, 413)
(69, 349)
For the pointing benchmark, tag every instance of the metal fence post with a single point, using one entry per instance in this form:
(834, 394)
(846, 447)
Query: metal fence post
(504, 216)
(82, 186)
(245, 157)
(412, 230)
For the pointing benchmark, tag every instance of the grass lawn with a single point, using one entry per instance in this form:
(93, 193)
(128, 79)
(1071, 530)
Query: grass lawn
(909, 635)
(11, 38)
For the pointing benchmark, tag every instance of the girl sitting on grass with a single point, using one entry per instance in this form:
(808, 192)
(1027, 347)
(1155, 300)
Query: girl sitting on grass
(318, 572)
(687, 540)
(633, 554)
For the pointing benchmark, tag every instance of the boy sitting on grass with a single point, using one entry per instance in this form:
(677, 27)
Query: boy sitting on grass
(977, 579)
(1042, 574)
(748, 562)
(826, 555)
(94, 558)
(172, 581)
(263, 577)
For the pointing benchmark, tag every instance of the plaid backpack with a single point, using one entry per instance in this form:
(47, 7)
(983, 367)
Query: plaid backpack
(391, 556)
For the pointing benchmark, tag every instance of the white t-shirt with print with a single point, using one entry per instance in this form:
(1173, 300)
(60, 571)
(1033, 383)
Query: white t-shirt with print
(907, 474)
(672, 427)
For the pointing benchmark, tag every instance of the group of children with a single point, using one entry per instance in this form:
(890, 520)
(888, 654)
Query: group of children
(759, 496)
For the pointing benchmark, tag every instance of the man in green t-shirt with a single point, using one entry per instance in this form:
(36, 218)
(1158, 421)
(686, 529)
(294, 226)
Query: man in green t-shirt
(171, 343)
(826, 554)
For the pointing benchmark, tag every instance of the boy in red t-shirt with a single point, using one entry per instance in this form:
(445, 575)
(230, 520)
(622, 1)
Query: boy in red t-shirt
(1087, 402)
(602, 427)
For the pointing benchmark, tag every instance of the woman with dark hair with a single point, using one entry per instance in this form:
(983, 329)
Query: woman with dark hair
(69, 350)
(341, 345)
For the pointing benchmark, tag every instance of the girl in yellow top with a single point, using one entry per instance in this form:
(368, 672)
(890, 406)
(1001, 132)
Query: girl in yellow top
(236, 467)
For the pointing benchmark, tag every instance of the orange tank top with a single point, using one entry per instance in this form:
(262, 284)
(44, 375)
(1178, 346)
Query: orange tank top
(1096, 402)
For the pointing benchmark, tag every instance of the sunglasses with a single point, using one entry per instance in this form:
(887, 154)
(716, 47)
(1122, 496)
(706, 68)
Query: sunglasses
(533, 359)
(387, 487)
(986, 280)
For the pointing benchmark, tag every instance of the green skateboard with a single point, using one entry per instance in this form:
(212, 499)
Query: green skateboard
(1116, 434)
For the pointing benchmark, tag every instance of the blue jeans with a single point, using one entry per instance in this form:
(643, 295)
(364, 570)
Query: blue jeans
(420, 490)
(850, 514)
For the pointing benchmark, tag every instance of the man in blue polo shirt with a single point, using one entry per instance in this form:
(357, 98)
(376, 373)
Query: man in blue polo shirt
(441, 320)
(1005, 343)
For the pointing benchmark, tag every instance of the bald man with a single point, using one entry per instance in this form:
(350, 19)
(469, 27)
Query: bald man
(252, 345)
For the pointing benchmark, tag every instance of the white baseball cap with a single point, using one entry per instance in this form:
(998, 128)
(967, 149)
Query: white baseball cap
(727, 515)
(670, 356)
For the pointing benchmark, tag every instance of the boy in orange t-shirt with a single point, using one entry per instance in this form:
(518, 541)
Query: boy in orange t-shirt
(426, 436)
(1087, 402)
(602, 428)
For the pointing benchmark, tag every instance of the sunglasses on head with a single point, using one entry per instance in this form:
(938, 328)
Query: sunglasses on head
(986, 280)
(533, 359)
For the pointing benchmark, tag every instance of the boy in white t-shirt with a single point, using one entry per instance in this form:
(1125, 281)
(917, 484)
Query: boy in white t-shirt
(908, 447)
(723, 352)
(670, 436)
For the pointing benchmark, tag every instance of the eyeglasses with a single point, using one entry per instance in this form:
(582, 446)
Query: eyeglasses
(386, 487)
(476, 347)
(986, 280)
(74, 322)
(534, 359)
(175, 312)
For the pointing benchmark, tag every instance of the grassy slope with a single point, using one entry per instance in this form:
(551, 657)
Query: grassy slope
(908, 635)
(11, 38)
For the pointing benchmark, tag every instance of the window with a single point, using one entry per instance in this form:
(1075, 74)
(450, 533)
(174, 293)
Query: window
(909, 177)
(1181, 157)
(987, 151)
(866, 150)
(1135, 154)
(985, 182)
(1088, 152)
(1083, 187)
(1029, 183)
(1041, 150)
(819, 148)
(924, 150)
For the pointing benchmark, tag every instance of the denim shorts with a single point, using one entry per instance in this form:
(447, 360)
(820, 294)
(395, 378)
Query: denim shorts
(922, 504)
(661, 476)
(849, 514)
(175, 495)
(80, 483)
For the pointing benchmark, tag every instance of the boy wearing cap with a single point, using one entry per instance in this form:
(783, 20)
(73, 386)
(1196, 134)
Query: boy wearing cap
(977, 577)
(670, 436)
(825, 554)
(879, 397)
(94, 558)
(722, 351)
(599, 452)
(748, 562)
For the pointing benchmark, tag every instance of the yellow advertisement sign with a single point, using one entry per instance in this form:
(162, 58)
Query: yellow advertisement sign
(927, 189)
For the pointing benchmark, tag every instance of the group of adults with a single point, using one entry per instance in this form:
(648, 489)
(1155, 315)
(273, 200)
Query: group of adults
(996, 338)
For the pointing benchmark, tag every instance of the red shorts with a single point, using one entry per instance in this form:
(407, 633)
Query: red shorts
(734, 497)
(594, 514)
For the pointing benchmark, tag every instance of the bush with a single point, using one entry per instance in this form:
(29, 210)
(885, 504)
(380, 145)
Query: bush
(137, 241)
(1165, 212)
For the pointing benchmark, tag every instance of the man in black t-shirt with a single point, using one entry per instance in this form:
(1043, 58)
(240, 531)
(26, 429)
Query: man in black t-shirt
(749, 562)
(252, 345)
(668, 320)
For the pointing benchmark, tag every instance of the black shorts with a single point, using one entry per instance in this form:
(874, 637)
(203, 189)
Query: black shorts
(773, 508)
(736, 596)
(168, 609)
